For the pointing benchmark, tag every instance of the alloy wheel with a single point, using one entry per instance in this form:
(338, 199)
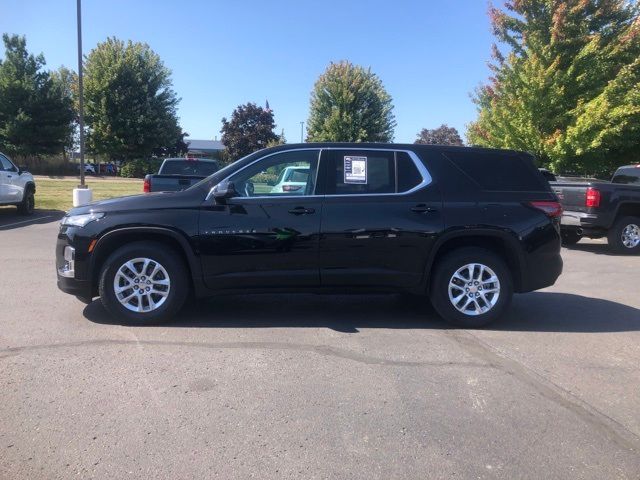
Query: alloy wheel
(474, 289)
(631, 236)
(141, 285)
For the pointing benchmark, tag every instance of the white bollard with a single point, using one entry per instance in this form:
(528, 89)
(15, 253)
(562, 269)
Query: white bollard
(82, 196)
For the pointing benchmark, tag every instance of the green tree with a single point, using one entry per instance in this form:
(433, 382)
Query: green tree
(350, 104)
(130, 105)
(568, 87)
(35, 111)
(66, 81)
(249, 129)
(443, 135)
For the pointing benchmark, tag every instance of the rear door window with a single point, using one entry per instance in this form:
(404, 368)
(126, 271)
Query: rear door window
(371, 172)
(498, 171)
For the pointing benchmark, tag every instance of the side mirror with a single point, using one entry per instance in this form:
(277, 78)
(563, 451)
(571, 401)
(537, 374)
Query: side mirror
(224, 190)
(22, 169)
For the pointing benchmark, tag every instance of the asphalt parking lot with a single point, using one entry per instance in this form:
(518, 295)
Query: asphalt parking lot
(304, 386)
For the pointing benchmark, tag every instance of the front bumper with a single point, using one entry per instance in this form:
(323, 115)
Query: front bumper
(79, 288)
(71, 264)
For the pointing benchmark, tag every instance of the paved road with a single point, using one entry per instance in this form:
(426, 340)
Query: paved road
(303, 386)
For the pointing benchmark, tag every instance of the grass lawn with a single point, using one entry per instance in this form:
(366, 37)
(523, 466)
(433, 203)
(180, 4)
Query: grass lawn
(56, 193)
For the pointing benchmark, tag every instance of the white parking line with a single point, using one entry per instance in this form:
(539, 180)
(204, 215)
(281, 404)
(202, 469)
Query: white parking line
(25, 221)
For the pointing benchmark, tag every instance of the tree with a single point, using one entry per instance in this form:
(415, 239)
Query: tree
(130, 105)
(350, 104)
(66, 81)
(250, 129)
(568, 87)
(35, 111)
(443, 135)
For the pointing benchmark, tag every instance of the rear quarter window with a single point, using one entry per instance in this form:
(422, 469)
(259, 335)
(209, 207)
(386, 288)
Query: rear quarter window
(627, 175)
(496, 171)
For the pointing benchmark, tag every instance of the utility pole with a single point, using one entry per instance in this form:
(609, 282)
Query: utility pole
(301, 129)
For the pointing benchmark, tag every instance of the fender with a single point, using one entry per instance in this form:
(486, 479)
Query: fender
(194, 262)
(619, 206)
(509, 237)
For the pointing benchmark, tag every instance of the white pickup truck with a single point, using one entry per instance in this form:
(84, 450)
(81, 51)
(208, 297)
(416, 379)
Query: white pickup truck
(16, 186)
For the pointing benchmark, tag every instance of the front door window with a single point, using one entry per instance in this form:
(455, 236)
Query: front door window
(280, 175)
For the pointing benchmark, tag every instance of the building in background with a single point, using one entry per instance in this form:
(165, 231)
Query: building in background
(204, 148)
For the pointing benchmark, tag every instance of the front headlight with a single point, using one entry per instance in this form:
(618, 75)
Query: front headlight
(81, 220)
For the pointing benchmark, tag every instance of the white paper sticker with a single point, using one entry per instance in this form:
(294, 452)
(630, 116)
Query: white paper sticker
(355, 169)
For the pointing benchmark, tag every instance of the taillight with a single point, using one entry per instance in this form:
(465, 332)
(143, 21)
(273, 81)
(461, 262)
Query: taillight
(291, 188)
(593, 198)
(146, 186)
(551, 209)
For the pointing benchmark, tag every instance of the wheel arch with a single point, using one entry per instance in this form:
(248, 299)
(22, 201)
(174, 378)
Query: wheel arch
(501, 243)
(626, 209)
(115, 239)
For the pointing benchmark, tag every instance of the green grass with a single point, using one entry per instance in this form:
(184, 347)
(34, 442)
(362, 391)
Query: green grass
(56, 193)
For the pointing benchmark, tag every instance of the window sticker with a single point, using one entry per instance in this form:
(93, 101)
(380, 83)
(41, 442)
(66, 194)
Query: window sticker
(355, 169)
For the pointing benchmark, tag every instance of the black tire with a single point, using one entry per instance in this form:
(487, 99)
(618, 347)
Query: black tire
(570, 237)
(28, 204)
(169, 259)
(443, 274)
(615, 236)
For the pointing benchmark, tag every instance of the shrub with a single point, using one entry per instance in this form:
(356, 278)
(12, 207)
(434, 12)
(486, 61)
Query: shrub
(140, 167)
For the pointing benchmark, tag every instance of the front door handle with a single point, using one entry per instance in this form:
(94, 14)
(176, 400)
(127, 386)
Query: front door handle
(302, 211)
(422, 208)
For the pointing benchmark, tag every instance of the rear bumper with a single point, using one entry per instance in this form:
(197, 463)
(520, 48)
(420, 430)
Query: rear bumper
(587, 221)
(542, 270)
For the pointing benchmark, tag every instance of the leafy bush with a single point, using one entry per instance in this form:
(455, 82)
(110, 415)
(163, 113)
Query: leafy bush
(140, 167)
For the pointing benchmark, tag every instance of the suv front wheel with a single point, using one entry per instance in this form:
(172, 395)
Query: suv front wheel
(143, 283)
(471, 287)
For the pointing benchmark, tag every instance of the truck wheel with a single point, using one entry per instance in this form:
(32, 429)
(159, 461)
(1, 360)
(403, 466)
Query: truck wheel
(28, 203)
(143, 283)
(624, 236)
(471, 287)
(570, 237)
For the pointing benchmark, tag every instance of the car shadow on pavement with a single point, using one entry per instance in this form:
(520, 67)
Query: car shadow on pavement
(10, 218)
(536, 312)
(597, 248)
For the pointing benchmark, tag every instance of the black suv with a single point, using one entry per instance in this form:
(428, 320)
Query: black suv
(465, 226)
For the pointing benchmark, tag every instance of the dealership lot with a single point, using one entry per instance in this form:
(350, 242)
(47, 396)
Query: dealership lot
(304, 386)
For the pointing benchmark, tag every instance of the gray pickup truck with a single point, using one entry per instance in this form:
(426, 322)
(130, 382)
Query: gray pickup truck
(597, 209)
(179, 174)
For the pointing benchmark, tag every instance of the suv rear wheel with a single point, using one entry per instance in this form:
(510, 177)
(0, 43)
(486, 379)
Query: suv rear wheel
(624, 236)
(143, 283)
(471, 287)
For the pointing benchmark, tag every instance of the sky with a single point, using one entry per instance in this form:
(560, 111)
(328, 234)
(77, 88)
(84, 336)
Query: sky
(429, 54)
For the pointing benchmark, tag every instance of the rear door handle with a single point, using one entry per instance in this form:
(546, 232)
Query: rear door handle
(302, 211)
(422, 208)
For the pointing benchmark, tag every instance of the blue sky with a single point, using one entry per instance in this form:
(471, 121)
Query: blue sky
(430, 54)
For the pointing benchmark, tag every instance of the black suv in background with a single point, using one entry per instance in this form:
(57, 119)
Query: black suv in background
(467, 227)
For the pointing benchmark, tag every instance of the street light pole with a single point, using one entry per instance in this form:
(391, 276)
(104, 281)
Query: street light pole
(80, 96)
(301, 130)
(81, 195)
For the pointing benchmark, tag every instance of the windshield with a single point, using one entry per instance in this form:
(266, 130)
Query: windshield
(189, 167)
